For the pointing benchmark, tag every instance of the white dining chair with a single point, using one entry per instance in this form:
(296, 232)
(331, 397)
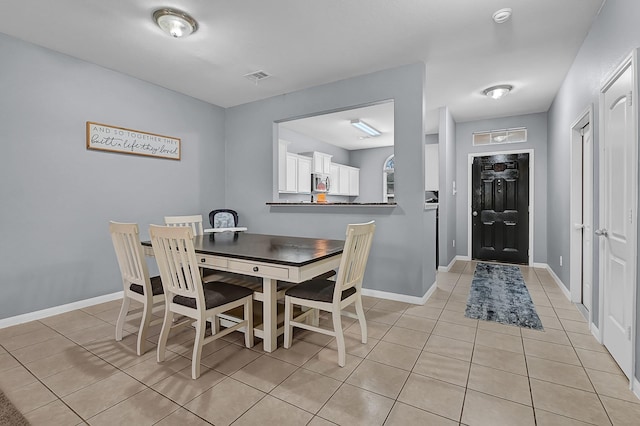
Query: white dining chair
(334, 296)
(195, 223)
(186, 295)
(192, 221)
(137, 284)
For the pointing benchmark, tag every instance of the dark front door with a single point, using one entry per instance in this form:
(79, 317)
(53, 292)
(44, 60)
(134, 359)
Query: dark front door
(500, 208)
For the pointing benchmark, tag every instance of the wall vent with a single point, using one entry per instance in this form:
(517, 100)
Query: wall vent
(494, 137)
(256, 76)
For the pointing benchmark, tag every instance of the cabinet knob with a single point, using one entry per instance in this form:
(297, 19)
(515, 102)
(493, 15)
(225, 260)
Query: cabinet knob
(203, 260)
(475, 214)
(255, 269)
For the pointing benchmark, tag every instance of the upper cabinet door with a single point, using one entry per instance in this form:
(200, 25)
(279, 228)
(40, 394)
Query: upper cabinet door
(291, 173)
(431, 167)
(321, 162)
(334, 176)
(304, 175)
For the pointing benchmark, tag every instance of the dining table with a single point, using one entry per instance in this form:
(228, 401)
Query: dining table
(271, 258)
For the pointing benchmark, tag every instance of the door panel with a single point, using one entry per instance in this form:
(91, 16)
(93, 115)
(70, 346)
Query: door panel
(500, 203)
(618, 217)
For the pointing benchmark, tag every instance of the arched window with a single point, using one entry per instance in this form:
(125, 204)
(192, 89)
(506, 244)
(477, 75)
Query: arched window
(388, 180)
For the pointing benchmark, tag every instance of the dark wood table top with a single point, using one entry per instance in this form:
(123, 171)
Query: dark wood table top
(277, 249)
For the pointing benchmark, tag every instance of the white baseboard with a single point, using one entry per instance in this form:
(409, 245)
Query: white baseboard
(636, 387)
(558, 281)
(56, 310)
(450, 265)
(595, 331)
(401, 297)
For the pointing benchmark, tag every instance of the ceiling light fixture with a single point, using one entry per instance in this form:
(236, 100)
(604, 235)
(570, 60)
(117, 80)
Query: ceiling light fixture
(497, 92)
(175, 22)
(501, 16)
(361, 125)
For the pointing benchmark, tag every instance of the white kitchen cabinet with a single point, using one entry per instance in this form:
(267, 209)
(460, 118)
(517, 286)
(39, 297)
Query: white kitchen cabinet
(304, 175)
(354, 181)
(321, 162)
(291, 173)
(298, 174)
(334, 179)
(343, 185)
(282, 166)
(431, 167)
(345, 180)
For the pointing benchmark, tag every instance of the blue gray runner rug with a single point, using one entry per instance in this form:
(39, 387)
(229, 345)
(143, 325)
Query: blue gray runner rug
(498, 293)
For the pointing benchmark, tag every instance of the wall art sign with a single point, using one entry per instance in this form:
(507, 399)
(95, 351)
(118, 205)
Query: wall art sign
(127, 141)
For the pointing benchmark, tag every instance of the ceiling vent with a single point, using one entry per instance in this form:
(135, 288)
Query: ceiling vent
(256, 76)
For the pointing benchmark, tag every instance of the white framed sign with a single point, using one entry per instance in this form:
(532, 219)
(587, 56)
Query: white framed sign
(127, 141)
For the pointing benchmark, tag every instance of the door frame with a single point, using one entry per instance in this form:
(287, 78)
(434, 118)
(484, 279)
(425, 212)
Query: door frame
(630, 61)
(576, 207)
(473, 155)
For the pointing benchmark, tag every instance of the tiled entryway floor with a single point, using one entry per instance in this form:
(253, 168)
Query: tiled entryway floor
(423, 365)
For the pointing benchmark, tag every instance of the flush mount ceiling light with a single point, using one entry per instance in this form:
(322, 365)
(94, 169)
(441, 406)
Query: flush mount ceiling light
(501, 16)
(497, 92)
(174, 22)
(361, 125)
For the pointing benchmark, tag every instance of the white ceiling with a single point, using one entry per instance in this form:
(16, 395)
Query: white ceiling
(335, 128)
(303, 43)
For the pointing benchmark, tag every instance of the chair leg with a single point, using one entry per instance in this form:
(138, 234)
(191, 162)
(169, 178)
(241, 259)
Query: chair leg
(361, 319)
(337, 328)
(248, 317)
(288, 317)
(201, 326)
(215, 325)
(123, 315)
(144, 326)
(164, 334)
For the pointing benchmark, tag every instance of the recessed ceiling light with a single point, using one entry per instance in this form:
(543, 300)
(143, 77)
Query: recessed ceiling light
(175, 22)
(501, 16)
(497, 92)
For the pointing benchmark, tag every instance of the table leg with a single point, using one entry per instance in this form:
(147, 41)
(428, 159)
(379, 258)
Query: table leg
(270, 314)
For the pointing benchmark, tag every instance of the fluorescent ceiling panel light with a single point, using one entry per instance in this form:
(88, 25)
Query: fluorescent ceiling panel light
(361, 125)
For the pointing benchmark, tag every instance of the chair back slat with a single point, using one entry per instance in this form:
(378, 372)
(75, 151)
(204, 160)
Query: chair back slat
(176, 257)
(194, 222)
(126, 242)
(354, 257)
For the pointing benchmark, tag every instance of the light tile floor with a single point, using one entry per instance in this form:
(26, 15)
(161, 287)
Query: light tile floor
(424, 365)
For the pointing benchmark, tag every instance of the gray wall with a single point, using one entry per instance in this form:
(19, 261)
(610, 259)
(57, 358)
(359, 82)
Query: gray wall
(536, 125)
(303, 143)
(370, 162)
(400, 231)
(611, 38)
(57, 196)
(447, 200)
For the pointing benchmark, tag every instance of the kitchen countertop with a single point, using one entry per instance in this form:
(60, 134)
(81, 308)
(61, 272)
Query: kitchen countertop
(308, 203)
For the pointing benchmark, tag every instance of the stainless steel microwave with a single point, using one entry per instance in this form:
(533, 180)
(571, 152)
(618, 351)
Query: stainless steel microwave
(320, 182)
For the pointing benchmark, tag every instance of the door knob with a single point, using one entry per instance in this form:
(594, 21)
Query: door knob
(601, 232)
(475, 214)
